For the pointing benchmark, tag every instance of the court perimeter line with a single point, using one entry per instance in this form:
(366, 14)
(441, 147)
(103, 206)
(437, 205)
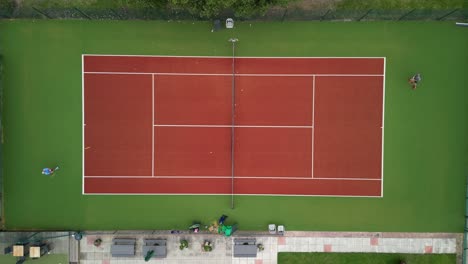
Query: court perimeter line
(226, 57)
(223, 194)
(82, 127)
(229, 177)
(383, 127)
(237, 126)
(152, 129)
(313, 123)
(350, 75)
(240, 74)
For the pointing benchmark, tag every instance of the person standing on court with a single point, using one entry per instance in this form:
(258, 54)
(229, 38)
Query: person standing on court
(415, 80)
(49, 171)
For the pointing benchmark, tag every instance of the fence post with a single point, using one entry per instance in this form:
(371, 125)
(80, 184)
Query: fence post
(82, 13)
(448, 14)
(284, 14)
(367, 13)
(326, 13)
(42, 13)
(403, 16)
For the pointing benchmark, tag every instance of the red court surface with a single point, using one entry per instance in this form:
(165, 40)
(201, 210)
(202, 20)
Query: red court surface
(301, 126)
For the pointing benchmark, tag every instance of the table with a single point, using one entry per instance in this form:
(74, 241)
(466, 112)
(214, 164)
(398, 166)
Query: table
(35, 252)
(245, 251)
(18, 251)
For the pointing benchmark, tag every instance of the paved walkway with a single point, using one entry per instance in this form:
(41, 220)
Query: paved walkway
(420, 243)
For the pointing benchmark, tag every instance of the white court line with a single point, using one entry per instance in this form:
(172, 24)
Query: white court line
(225, 57)
(123, 177)
(236, 126)
(348, 179)
(224, 194)
(238, 74)
(82, 127)
(152, 129)
(383, 127)
(313, 124)
(116, 73)
(229, 177)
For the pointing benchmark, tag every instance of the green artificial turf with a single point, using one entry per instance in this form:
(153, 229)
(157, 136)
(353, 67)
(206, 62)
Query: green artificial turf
(364, 258)
(46, 259)
(425, 130)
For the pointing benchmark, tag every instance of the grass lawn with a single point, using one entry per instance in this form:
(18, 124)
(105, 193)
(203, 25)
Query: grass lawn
(425, 130)
(46, 259)
(363, 258)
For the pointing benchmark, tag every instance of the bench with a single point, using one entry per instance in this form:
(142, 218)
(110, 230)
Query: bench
(123, 247)
(245, 248)
(157, 245)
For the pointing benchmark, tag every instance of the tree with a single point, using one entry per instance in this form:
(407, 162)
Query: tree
(212, 8)
(156, 3)
(247, 8)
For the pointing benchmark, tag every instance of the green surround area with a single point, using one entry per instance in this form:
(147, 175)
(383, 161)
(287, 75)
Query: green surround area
(364, 258)
(426, 130)
(46, 259)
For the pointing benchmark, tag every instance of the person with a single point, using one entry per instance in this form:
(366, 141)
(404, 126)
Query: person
(195, 228)
(415, 80)
(222, 219)
(49, 171)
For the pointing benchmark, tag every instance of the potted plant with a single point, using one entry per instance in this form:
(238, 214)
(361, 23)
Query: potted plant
(207, 246)
(260, 247)
(97, 242)
(183, 244)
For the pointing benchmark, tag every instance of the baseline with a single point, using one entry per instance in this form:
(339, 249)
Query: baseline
(240, 177)
(237, 74)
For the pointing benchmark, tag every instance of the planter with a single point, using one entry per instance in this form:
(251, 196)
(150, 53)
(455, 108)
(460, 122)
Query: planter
(183, 244)
(97, 242)
(260, 247)
(207, 246)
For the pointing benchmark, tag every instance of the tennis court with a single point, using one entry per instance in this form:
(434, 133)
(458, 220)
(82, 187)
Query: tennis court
(424, 143)
(249, 126)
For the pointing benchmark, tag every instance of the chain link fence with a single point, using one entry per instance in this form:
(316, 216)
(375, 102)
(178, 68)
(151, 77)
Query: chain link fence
(1, 145)
(465, 231)
(273, 14)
